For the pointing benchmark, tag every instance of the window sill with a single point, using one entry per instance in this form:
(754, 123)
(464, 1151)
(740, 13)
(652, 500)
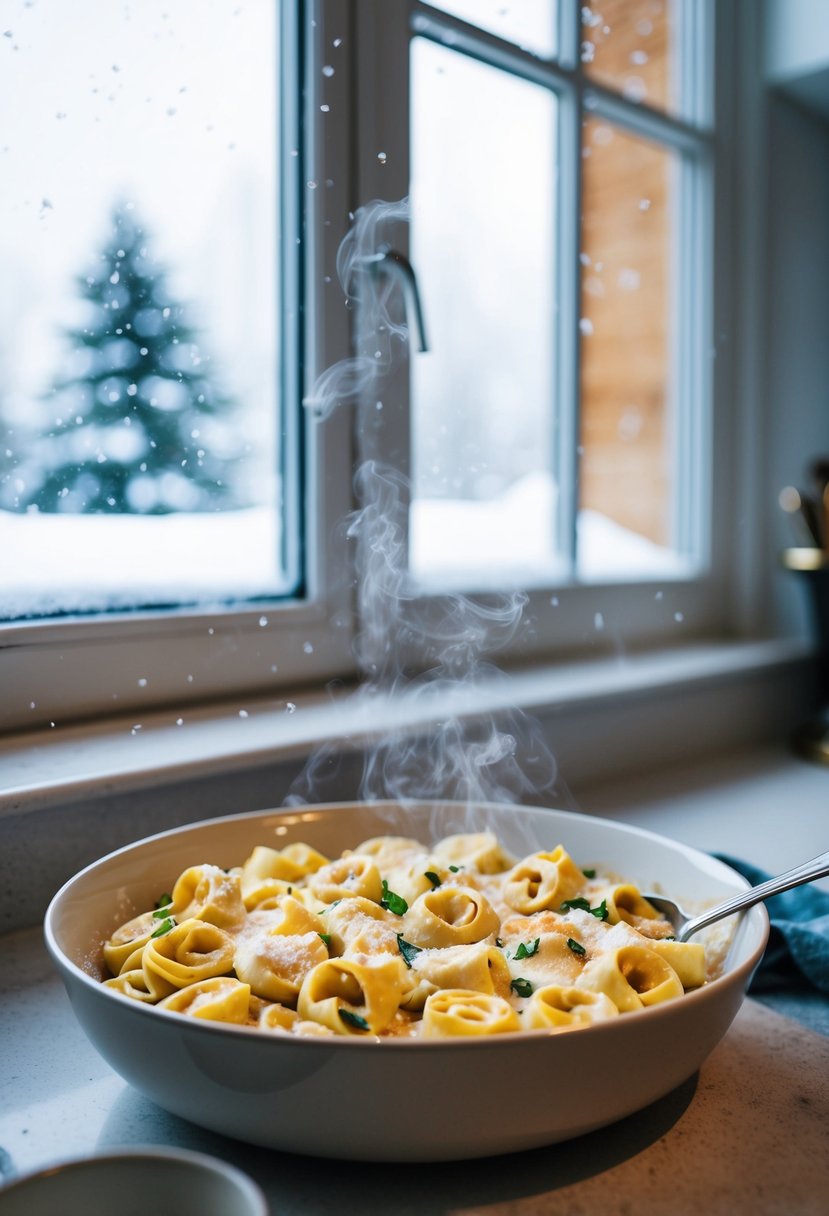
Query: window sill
(599, 717)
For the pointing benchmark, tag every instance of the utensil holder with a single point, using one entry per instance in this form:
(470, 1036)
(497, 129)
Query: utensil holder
(812, 565)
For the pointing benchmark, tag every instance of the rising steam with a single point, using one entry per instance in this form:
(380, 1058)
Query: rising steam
(465, 757)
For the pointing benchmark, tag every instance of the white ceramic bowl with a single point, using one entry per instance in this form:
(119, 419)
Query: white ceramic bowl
(415, 1100)
(135, 1182)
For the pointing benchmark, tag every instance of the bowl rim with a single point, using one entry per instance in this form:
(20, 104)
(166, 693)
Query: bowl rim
(149, 1154)
(740, 974)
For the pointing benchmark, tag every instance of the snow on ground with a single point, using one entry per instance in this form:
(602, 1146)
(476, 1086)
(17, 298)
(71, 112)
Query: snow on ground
(66, 562)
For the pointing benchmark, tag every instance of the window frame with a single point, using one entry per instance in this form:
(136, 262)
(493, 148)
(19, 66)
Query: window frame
(574, 616)
(60, 671)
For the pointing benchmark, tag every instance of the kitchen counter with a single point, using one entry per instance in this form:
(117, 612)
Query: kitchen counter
(748, 1134)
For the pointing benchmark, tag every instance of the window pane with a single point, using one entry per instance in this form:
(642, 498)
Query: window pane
(483, 223)
(628, 467)
(138, 304)
(631, 46)
(529, 23)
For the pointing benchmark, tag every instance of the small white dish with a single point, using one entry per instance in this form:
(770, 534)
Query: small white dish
(396, 1100)
(135, 1182)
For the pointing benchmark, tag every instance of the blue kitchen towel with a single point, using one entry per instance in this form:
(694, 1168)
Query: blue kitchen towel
(798, 947)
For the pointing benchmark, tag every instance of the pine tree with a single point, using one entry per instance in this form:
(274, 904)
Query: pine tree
(139, 425)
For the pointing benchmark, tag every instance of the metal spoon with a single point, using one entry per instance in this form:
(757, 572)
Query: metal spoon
(685, 925)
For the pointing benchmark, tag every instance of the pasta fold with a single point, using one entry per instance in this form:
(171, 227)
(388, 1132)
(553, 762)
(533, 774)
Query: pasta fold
(480, 967)
(556, 1008)
(275, 963)
(355, 874)
(192, 951)
(633, 977)
(221, 999)
(686, 958)
(208, 893)
(127, 939)
(450, 916)
(352, 996)
(132, 984)
(480, 851)
(455, 1011)
(542, 881)
(360, 926)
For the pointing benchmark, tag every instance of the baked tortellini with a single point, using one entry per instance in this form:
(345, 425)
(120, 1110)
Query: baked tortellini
(397, 938)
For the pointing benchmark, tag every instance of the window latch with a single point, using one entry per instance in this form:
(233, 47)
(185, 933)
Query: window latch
(390, 262)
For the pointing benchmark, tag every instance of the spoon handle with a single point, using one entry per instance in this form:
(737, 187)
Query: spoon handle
(807, 871)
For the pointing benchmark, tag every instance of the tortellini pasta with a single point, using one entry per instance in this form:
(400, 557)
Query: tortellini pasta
(450, 916)
(399, 938)
(456, 1011)
(557, 1008)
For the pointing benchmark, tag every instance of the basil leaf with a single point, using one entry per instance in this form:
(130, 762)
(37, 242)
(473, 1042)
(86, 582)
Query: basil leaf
(588, 873)
(164, 927)
(575, 946)
(522, 987)
(583, 905)
(353, 1019)
(394, 903)
(434, 878)
(527, 951)
(578, 901)
(407, 949)
(454, 869)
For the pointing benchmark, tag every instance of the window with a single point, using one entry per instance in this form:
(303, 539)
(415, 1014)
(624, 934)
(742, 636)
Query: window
(559, 160)
(145, 459)
(257, 189)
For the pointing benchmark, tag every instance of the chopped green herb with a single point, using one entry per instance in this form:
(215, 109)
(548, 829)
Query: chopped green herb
(522, 987)
(164, 900)
(394, 903)
(588, 873)
(353, 1019)
(583, 905)
(527, 951)
(162, 913)
(326, 938)
(575, 946)
(454, 869)
(434, 878)
(407, 949)
(164, 927)
(578, 901)
(499, 943)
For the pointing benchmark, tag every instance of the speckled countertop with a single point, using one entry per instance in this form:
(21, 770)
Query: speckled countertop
(749, 1134)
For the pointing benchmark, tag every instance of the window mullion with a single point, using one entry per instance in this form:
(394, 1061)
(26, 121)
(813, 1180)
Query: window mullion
(566, 437)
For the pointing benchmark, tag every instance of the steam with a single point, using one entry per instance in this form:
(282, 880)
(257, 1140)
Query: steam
(457, 753)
